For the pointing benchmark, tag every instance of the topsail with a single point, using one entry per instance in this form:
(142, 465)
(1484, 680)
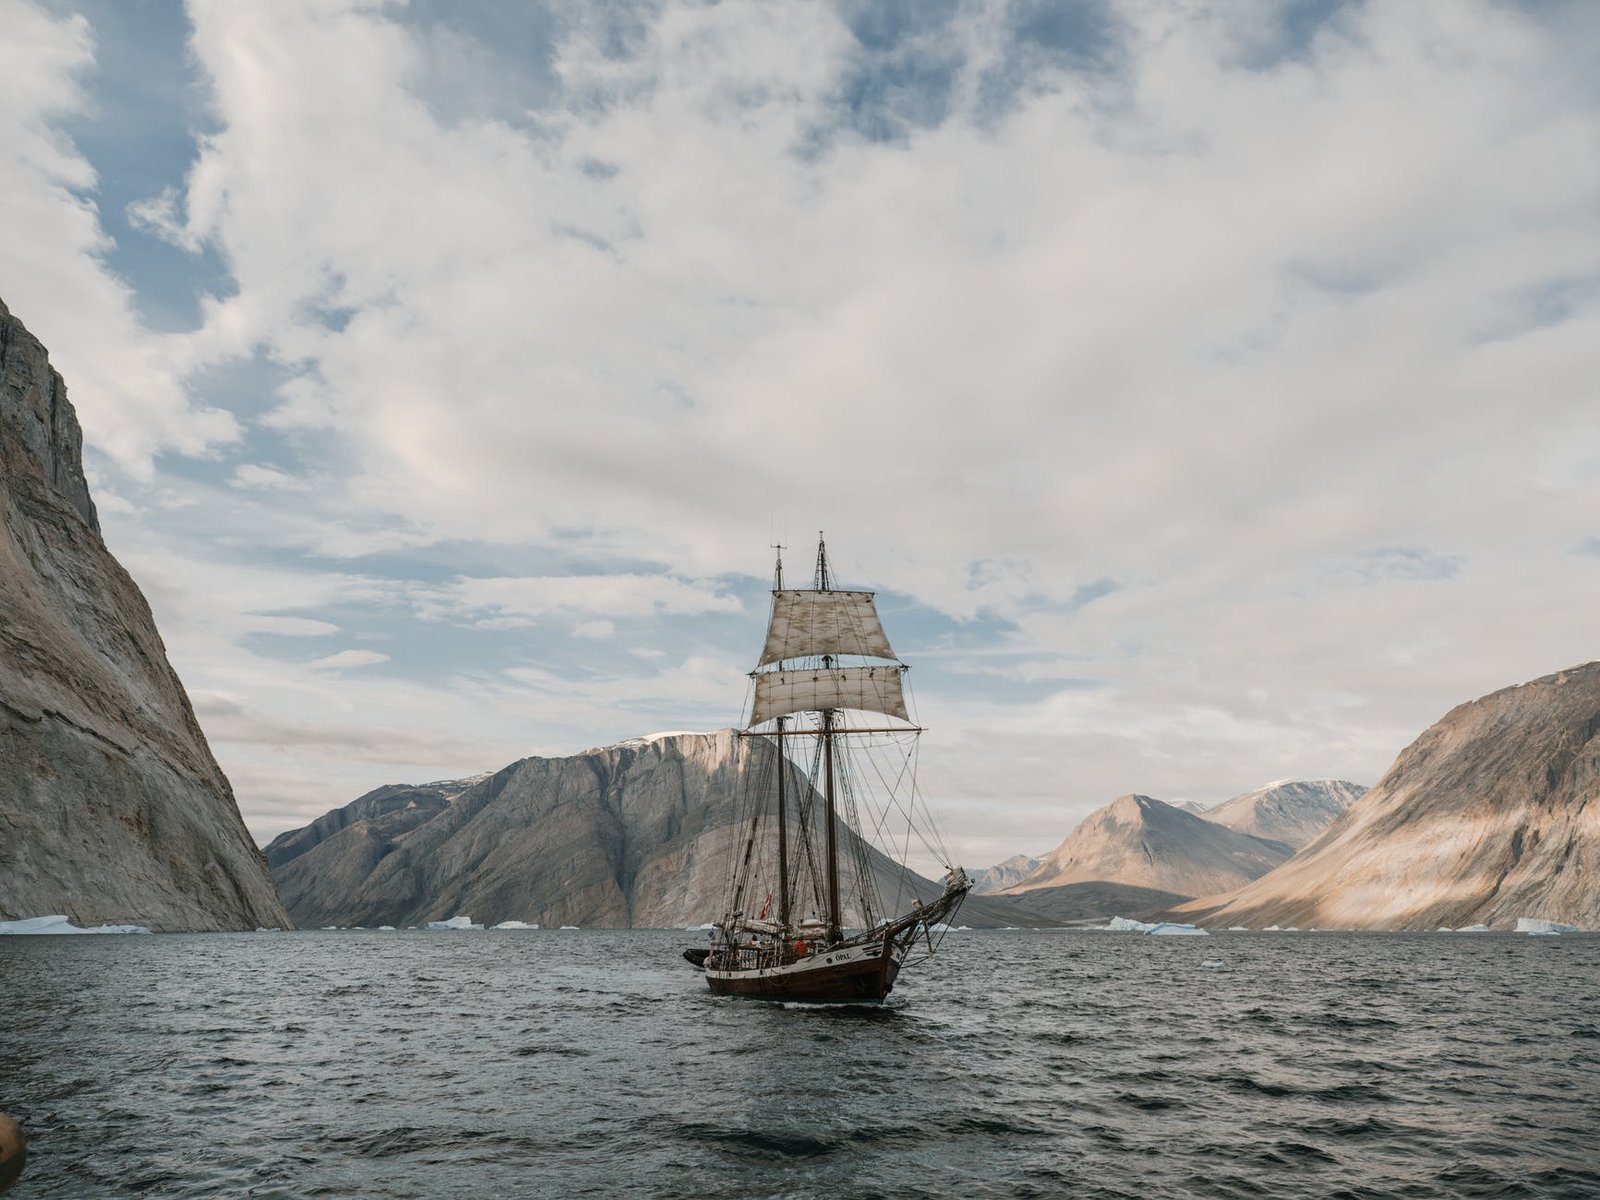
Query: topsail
(808, 624)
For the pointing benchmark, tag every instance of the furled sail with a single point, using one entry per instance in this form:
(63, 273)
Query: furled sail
(809, 624)
(813, 689)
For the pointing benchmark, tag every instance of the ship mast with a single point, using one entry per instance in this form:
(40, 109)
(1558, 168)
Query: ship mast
(783, 763)
(835, 923)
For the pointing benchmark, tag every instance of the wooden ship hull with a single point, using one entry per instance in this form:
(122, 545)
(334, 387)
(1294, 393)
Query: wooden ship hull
(847, 973)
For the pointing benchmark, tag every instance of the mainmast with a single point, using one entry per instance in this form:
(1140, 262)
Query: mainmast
(783, 764)
(835, 920)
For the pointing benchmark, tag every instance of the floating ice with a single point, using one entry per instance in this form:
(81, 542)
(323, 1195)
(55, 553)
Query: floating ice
(1128, 925)
(57, 923)
(515, 925)
(462, 922)
(1444, 929)
(1213, 963)
(1538, 925)
(1473, 929)
(569, 927)
(269, 928)
(385, 928)
(700, 928)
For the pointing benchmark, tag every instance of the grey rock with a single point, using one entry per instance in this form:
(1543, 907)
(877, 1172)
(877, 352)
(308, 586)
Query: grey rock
(112, 809)
(1492, 814)
(1146, 843)
(1002, 875)
(1293, 811)
(640, 834)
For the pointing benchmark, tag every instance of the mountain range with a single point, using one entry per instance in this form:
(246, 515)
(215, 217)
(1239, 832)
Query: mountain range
(639, 834)
(1492, 814)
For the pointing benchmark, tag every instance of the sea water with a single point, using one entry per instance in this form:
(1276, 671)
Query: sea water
(595, 1063)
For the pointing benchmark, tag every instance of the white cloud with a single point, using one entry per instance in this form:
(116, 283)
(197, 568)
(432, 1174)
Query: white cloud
(1296, 351)
(521, 602)
(124, 381)
(347, 658)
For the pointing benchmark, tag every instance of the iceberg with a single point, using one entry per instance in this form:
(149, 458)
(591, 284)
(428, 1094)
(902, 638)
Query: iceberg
(58, 923)
(1473, 929)
(385, 928)
(1167, 928)
(569, 927)
(1539, 925)
(515, 925)
(461, 922)
(1128, 925)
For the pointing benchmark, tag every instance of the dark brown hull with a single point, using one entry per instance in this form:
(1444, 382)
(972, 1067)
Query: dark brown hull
(865, 980)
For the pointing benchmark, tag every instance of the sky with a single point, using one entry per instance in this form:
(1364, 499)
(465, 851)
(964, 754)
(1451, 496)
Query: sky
(1208, 390)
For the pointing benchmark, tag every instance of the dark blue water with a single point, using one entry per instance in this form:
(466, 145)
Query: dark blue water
(596, 1064)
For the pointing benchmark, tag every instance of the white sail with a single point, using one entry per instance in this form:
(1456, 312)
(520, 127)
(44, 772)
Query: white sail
(874, 689)
(809, 624)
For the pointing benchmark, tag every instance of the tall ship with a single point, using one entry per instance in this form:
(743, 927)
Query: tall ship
(813, 909)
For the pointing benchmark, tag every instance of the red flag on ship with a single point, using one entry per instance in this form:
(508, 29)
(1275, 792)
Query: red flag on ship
(764, 907)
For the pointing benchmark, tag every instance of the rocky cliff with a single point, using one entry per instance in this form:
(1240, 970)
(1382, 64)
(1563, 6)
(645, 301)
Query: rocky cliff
(1144, 843)
(1293, 811)
(1490, 815)
(111, 806)
(639, 834)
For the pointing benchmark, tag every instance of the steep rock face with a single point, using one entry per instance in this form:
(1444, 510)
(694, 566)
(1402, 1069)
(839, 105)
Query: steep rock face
(111, 806)
(1292, 811)
(1492, 814)
(640, 834)
(1146, 843)
(393, 809)
(1003, 875)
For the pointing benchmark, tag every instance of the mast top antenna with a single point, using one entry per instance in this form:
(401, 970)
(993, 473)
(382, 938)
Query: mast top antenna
(822, 563)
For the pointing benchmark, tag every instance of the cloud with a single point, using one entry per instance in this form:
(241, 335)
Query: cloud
(520, 603)
(1237, 361)
(126, 383)
(348, 658)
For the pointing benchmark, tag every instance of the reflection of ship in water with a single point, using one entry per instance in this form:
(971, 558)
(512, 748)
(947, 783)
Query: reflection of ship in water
(830, 753)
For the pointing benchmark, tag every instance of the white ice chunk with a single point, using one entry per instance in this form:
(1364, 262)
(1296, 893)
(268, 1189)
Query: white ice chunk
(569, 927)
(515, 925)
(460, 922)
(1128, 925)
(1538, 925)
(1171, 928)
(57, 923)
(1473, 929)
(385, 928)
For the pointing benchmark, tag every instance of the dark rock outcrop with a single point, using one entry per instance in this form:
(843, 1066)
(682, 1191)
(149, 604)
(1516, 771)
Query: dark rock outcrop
(112, 808)
(1492, 814)
(640, 834)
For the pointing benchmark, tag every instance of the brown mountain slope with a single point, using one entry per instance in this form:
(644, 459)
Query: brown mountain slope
(111, 806)
(1492, 814)
(1146, 843)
